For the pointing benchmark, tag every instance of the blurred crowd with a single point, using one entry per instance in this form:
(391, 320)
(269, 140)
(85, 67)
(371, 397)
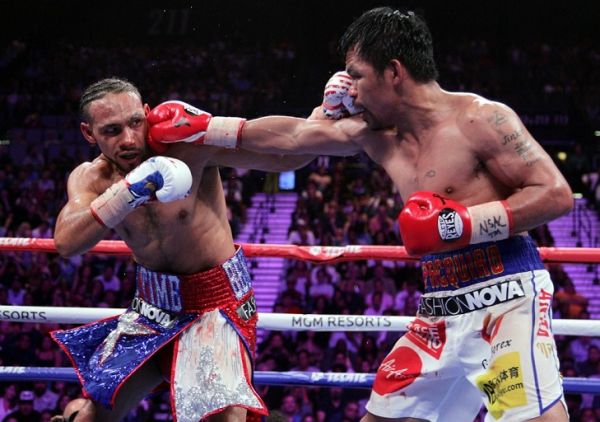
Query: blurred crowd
(341, 201)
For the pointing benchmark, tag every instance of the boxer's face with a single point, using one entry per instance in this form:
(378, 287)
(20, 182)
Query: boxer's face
(370, 91)
(118, 126)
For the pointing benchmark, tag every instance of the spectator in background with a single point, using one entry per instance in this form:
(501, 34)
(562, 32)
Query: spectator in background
(16, 293)
(590, 366)
(8, 400)
(303, 362)
(579, 347)
(108, 279)
(301, 234)
(322, 285)
(321, 178)
(407, 299)
(570, 303)
(44, 397)
(43, 230)
(25, 411)
(46, 353)
(576, 165)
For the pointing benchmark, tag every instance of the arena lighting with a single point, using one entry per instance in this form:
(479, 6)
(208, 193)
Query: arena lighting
(597, 133)
(561, 155)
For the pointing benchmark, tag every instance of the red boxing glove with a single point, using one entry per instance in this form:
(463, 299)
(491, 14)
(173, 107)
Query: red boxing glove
(431, 223)
(176, 121)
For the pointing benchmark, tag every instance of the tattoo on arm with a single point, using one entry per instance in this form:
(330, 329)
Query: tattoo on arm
(524, 149)
(517, 139)
(521, 145)
(497, 119)
(513, 136)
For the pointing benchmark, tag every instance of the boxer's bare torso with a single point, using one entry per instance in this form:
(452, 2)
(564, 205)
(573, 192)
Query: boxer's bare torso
(182, 237)
(463, 147)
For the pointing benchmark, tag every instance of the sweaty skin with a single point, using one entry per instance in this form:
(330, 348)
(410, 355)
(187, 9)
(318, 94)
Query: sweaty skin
(181, 237)
(185, 236)
(459, 145)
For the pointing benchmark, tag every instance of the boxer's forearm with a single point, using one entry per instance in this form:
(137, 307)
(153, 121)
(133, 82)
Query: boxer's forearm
(77, 231)
(290, 135)
(535, 205)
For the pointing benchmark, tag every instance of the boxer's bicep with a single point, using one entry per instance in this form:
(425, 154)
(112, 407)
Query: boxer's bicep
(514, 158)
(508, 150)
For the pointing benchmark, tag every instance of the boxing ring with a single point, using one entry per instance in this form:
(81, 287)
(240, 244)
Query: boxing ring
(284, 322)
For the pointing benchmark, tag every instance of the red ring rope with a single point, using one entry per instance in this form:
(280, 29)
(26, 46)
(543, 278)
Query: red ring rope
(317, 254)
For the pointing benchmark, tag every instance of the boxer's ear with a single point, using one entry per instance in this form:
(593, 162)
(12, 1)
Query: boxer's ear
(397, 70)
(88, 134)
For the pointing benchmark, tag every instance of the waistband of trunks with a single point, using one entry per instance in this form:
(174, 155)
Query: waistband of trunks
(477, 263)
(473, 300)
(224, 284)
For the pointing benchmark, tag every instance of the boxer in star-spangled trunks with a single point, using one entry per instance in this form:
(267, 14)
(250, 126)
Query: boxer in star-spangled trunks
(473, 181)
(193, 319)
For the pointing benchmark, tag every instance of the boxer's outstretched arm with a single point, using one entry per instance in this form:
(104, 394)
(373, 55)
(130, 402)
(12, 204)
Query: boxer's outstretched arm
(290, 135)
(177, 122)
(259, 161)
(511, 155)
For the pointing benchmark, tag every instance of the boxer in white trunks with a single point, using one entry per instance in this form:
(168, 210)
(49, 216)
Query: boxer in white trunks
(473, 181)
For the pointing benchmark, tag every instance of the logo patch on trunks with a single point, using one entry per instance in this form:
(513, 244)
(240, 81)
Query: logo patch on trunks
(430, 338)
(247, 309)
(152, 312)
(397, 371)
(503, 384)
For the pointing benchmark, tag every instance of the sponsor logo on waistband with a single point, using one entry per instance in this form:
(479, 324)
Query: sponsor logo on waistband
(462, 268)
(238, 275)
(152, 312)
(247, 309)
(471, 301)
(160, 290)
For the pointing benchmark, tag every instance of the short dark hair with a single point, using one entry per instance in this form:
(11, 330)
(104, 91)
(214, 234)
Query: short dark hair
(99, 89)
(382, 34)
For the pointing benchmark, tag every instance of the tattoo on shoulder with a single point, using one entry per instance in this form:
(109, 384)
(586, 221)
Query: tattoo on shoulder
(497, 119)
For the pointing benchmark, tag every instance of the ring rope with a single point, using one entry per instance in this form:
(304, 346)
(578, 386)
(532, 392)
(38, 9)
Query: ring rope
(315, 254)
(295, 378)
(270, 321)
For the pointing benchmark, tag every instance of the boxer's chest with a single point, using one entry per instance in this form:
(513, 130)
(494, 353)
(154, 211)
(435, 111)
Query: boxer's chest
(444, 164)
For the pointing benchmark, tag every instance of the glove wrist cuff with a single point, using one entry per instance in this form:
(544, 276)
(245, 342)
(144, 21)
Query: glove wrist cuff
(490, 222)
(224, 131)
(110, 208)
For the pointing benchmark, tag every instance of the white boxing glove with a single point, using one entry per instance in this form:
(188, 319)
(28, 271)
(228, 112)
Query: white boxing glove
(164, 178)
(337, 102)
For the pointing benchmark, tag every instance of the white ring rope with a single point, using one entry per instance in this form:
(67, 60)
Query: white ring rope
(270, 321)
